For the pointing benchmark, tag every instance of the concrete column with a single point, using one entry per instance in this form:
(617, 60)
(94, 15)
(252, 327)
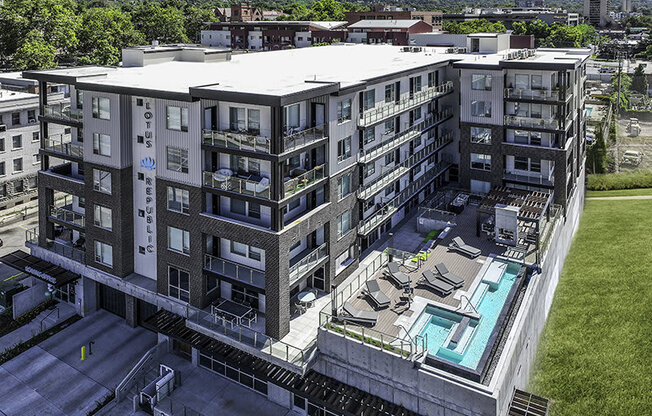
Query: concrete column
(87, 296)
(131, 311)
(195, 357)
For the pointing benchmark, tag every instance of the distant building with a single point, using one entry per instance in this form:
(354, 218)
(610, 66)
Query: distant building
(626, 6)
(240, 12)
(530, 3)
(396, 13)
(509, 16)
(272, 14)
(596, 12)
(395, 32)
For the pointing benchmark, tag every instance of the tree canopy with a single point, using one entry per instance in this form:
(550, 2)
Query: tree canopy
(474, 26)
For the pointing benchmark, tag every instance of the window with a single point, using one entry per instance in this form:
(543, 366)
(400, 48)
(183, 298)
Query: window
(253, 121)
(537, 82)
(15, 118)
(103, 217)
(344, 149)
(535, 138)
(2, 169)
(389, 158)
(17, 141)
(178, 284)
(368, 99)
(343, 224)
(239, 248)
(415, 85)
(369, 169)
(431, 79)
(343, 186)
(101, 144)
(294, 204)
(36, 136)
(31, 116)
(344, 110)
(101, 108)
(177, 159)
(178, 240)
(36, 158)
(178, 200)
(18, 165)
(480, 161)
(2, 144)
(481, 82)
(389, 126)
(177, 118)
(521, 82)
(368, 135)
(415, 115)
(254, 253)
(481, 108)
(237, 119)
(390, 93)
(253, 209)
(102, 181)
(521, 163)
(238, 206)
(103, 253)
(535, 110)
(291, 114)
(522, 109)
(480, 135)
(535, 165)
(521, 137)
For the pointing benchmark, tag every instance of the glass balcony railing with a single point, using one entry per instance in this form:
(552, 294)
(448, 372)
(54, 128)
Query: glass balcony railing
(62, 111)
(554, 94)
(303, 266)
(237, 140)
(62, 249)
(296, 139)
(68, 215)
(532, 178)
(405, 136)
(258, 187)
(294, 185)
(543, 123)
(234, 270)
(377, 114)
(62, 144)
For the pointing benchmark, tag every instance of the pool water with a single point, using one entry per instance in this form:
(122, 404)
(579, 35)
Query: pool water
(488, 299)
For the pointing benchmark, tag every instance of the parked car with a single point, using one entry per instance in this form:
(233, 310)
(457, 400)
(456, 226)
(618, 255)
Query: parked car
(632, 157)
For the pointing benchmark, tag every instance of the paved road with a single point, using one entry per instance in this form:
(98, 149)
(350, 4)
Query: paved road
(13, 235)
(619, 197)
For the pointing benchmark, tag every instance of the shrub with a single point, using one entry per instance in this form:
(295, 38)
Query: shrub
(611, 181)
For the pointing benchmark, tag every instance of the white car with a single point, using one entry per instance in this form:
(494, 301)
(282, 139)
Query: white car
(632, 157)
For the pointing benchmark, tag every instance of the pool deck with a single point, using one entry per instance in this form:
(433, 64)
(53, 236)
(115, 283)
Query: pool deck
(463, 266)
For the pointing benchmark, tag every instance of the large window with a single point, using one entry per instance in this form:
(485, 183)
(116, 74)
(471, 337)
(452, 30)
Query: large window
(15, 119)
(344, 110)
(431, 79)
(102, 181)
(177, 118)
(520, 163)
(368, 135)
(521, 81)
(415, 85)
(103, 217)
(239, 376)
(17, 141)
(237, 120)
(481, 108)
(480, 161)
(101, 108)
(178, 284)
(343, 186)
(178, 200)
(2, 169)
(368, 99)
(390, 93)
(481, 82)
(536, 82)
(480, 135)
(291, 116)
(101, 144)
(344, 149)
(253, 121)
(178, 240)
(245, 250)
(177, 159)
(18, 165)
(343, 224)
(369, 169)
(2, 144)
(103, 253)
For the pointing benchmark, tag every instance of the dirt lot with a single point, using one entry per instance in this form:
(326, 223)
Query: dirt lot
(641, 143)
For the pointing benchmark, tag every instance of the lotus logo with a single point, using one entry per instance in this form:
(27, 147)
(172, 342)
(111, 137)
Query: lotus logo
(148, 163)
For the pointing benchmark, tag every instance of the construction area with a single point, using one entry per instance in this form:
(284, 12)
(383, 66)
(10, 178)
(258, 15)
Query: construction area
(633, 147)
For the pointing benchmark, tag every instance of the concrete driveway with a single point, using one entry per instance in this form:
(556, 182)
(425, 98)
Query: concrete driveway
(50, 379)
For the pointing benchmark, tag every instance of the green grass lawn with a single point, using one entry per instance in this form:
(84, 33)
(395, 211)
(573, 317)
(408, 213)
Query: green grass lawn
(620, 192)
(595, 356)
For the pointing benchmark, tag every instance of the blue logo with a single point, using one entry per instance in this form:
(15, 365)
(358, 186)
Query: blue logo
(148, 163)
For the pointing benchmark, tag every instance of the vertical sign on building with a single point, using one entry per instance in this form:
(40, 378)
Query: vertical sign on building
(144, 177)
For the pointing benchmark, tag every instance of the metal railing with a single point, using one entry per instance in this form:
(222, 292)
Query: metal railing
(544, 123)
(68, 215)
(237, 140)
(402, 168)
(354, 282)
(235, 270)
(554, 94)
(388, 209)
(239, 185)
(535, 179)
(405, 136)
(303, 266)
(62, 111)
(377, 114)
(304, 180)
(62, 143)
(65, 250)
(304, 137)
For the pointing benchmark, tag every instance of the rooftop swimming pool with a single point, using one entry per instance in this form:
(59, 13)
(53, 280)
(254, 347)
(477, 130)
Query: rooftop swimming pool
(463, 341)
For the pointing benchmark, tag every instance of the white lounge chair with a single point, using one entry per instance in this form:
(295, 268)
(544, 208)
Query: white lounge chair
(459, 245)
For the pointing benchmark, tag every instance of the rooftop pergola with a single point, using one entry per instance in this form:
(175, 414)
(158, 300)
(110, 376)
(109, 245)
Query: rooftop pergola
(532, 204)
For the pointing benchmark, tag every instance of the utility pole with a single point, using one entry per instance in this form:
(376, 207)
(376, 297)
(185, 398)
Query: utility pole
(620, 69)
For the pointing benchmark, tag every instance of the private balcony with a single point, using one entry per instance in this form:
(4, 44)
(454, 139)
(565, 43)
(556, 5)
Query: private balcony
(237, 140)
(548, 123)
(546, 95)
(304, 180)
(530, 179)
(242, 183)
(235, 271)
(295, 139)
(305, 261)
(63, 145)
(66, 249)
(377, 114)
(62, 111)
(67, 215)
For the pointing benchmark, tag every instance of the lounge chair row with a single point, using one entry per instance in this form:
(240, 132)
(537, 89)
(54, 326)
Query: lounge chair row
(459, 245)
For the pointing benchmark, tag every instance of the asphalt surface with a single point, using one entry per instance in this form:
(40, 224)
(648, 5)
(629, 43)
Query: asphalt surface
(13, 235)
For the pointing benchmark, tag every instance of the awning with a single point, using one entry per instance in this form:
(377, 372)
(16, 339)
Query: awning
(41, 269)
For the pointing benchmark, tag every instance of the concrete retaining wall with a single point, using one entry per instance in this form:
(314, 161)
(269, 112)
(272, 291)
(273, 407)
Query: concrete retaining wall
(30, 298)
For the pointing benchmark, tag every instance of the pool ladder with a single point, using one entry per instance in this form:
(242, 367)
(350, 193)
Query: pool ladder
(468, 303)
(416, 355)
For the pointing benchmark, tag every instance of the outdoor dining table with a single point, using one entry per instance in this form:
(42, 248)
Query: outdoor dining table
(306, 297)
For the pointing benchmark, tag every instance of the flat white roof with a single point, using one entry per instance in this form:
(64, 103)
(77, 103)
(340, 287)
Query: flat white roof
(403, 24)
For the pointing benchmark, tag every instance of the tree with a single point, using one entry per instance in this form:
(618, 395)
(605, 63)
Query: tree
(639, 80)
(625, 84)
(195, 18)
(34, 53)
(155, 22)
(474, 26)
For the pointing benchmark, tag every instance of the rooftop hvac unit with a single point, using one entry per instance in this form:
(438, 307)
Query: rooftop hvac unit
(406, 49)
(417, 49)
(450, 50)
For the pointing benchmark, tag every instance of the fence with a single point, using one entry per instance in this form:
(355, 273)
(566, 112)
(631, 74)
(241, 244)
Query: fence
(352, 284)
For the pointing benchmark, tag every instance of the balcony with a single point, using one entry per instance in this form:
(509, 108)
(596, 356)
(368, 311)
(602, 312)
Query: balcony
(245, 184)
(304, 180)
(237, 140)
(62, 111)
(62, 144)
(377, 114)
(235, 271)
(530, 179)
(306, 263)
(63, 249)
(554, 94)
(297, 139)
(549, 123)
(385, 211)
(405, 136)
(66, 214)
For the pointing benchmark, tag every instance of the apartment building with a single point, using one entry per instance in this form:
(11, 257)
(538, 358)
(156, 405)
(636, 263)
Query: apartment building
(508, 16)
(394, 32)
(20, 139)
(596, 12)
(205, 206)
(396, 13)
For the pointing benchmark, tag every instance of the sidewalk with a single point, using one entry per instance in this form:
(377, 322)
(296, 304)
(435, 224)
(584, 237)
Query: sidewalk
(615, 198)
(26, 332)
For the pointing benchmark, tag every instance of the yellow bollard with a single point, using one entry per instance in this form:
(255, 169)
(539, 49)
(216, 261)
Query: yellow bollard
(83, 353)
